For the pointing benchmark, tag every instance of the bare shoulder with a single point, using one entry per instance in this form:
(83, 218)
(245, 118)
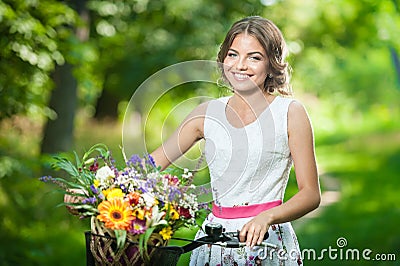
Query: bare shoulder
(200, 109)
(195, 120)
(298, 117)
(297, 110)
(198, 113)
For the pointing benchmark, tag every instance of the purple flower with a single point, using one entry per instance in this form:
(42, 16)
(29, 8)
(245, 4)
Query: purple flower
(135, 160)
(150, 183)
(54, 181)
(46, 178)
(91, 200)
(150, 161)
(173, 193)
(123, 188)
(94, 189)
(137, 227)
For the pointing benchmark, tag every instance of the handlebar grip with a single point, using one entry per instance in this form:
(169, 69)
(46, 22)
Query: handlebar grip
(216, 230)
(236, 235)
(265, 236)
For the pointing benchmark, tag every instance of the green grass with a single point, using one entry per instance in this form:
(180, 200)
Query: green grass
(368, 211)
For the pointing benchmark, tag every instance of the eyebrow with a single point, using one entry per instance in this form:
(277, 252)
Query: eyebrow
(251, 53)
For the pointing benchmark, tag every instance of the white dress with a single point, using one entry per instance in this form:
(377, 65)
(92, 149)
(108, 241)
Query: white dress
(248, 165)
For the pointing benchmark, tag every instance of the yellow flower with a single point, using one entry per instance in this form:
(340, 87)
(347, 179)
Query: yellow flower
(139, 213)
(113, 193)
(96, 183)
(115, 213)
(173, 214)
(166, 232)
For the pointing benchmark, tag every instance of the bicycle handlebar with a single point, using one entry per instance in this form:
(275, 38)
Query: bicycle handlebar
(215, 235)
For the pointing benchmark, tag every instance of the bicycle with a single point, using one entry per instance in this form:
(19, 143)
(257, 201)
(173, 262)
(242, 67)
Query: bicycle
(169, 255)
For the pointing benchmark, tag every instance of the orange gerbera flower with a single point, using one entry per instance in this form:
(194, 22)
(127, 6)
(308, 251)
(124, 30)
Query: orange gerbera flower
(115, 213)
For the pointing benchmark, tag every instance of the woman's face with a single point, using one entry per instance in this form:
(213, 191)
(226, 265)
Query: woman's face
(246, 63)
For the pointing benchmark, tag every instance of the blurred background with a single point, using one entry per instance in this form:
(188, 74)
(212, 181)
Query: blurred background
(69, 68)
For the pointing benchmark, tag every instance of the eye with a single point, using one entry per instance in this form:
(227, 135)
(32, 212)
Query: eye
(231, 54)
(255, 58)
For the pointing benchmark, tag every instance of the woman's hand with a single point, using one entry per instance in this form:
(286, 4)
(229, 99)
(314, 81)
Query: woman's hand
(68, 199)
(253, 232)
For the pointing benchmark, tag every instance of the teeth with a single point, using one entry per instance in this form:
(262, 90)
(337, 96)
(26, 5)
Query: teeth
(241, 76)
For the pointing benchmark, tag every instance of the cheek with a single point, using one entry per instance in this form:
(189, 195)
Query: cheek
(262, 69)
(228, 62)
(227, 65)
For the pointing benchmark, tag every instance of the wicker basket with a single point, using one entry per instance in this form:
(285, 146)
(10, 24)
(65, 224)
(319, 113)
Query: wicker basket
(101, 247)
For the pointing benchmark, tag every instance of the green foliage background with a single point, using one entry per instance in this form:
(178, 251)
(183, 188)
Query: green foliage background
(343, 55)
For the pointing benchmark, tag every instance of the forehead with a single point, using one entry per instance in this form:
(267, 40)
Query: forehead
(247, 42)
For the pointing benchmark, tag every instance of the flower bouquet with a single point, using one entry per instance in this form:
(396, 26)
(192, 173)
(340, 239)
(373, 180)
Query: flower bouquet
(133, 209)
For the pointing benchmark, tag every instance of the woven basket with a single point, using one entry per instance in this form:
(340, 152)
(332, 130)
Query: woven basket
(102, 247)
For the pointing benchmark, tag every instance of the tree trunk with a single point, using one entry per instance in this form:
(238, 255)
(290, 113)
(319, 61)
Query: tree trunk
(58, 133)
(106, 106)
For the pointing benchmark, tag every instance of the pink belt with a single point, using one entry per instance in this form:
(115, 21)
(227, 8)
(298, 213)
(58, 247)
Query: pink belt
(243, 211)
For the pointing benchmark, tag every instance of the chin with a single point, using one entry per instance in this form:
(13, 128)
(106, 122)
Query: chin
(245, 87)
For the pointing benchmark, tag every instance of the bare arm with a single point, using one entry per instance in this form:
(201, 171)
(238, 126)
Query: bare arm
(301, 144)
(184, 137)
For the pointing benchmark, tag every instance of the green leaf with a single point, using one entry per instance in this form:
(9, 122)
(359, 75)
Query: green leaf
(141, 248)
(66, 165)
(77, 160)
(147, 235)
(121, 238)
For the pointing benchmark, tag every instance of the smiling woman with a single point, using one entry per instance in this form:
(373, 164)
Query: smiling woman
(252, 139)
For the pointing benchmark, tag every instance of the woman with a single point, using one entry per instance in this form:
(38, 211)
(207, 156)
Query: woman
(252, 140)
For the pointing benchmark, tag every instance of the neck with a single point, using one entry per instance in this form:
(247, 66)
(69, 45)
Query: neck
(255, 101)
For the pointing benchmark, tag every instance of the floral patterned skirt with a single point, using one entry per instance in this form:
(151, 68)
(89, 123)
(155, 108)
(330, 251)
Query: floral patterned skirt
(284, 248)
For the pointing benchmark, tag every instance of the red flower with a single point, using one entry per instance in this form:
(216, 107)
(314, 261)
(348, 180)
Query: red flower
(172, 180)
(94, 167)
(133, 198)
(184, 212)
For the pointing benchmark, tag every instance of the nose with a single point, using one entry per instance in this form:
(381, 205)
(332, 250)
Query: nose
(241, 64)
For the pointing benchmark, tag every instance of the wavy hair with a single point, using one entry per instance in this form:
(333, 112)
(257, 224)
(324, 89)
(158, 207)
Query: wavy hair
(271, 39)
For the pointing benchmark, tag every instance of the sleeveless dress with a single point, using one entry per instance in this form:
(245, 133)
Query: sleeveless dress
(248, 166)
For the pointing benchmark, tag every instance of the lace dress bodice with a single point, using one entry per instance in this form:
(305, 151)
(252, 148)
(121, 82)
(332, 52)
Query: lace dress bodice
(251, 164)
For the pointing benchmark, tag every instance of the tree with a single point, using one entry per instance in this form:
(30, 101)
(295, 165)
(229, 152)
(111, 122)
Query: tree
(58, 133)
(29, 50)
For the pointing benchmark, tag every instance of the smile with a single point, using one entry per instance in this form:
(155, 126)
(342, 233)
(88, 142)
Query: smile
(240, 76)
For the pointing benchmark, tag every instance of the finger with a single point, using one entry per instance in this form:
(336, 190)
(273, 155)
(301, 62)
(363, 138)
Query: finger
(243, 233)
(250, 241)
(254, 239)
(67, 198)
(261, 237)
